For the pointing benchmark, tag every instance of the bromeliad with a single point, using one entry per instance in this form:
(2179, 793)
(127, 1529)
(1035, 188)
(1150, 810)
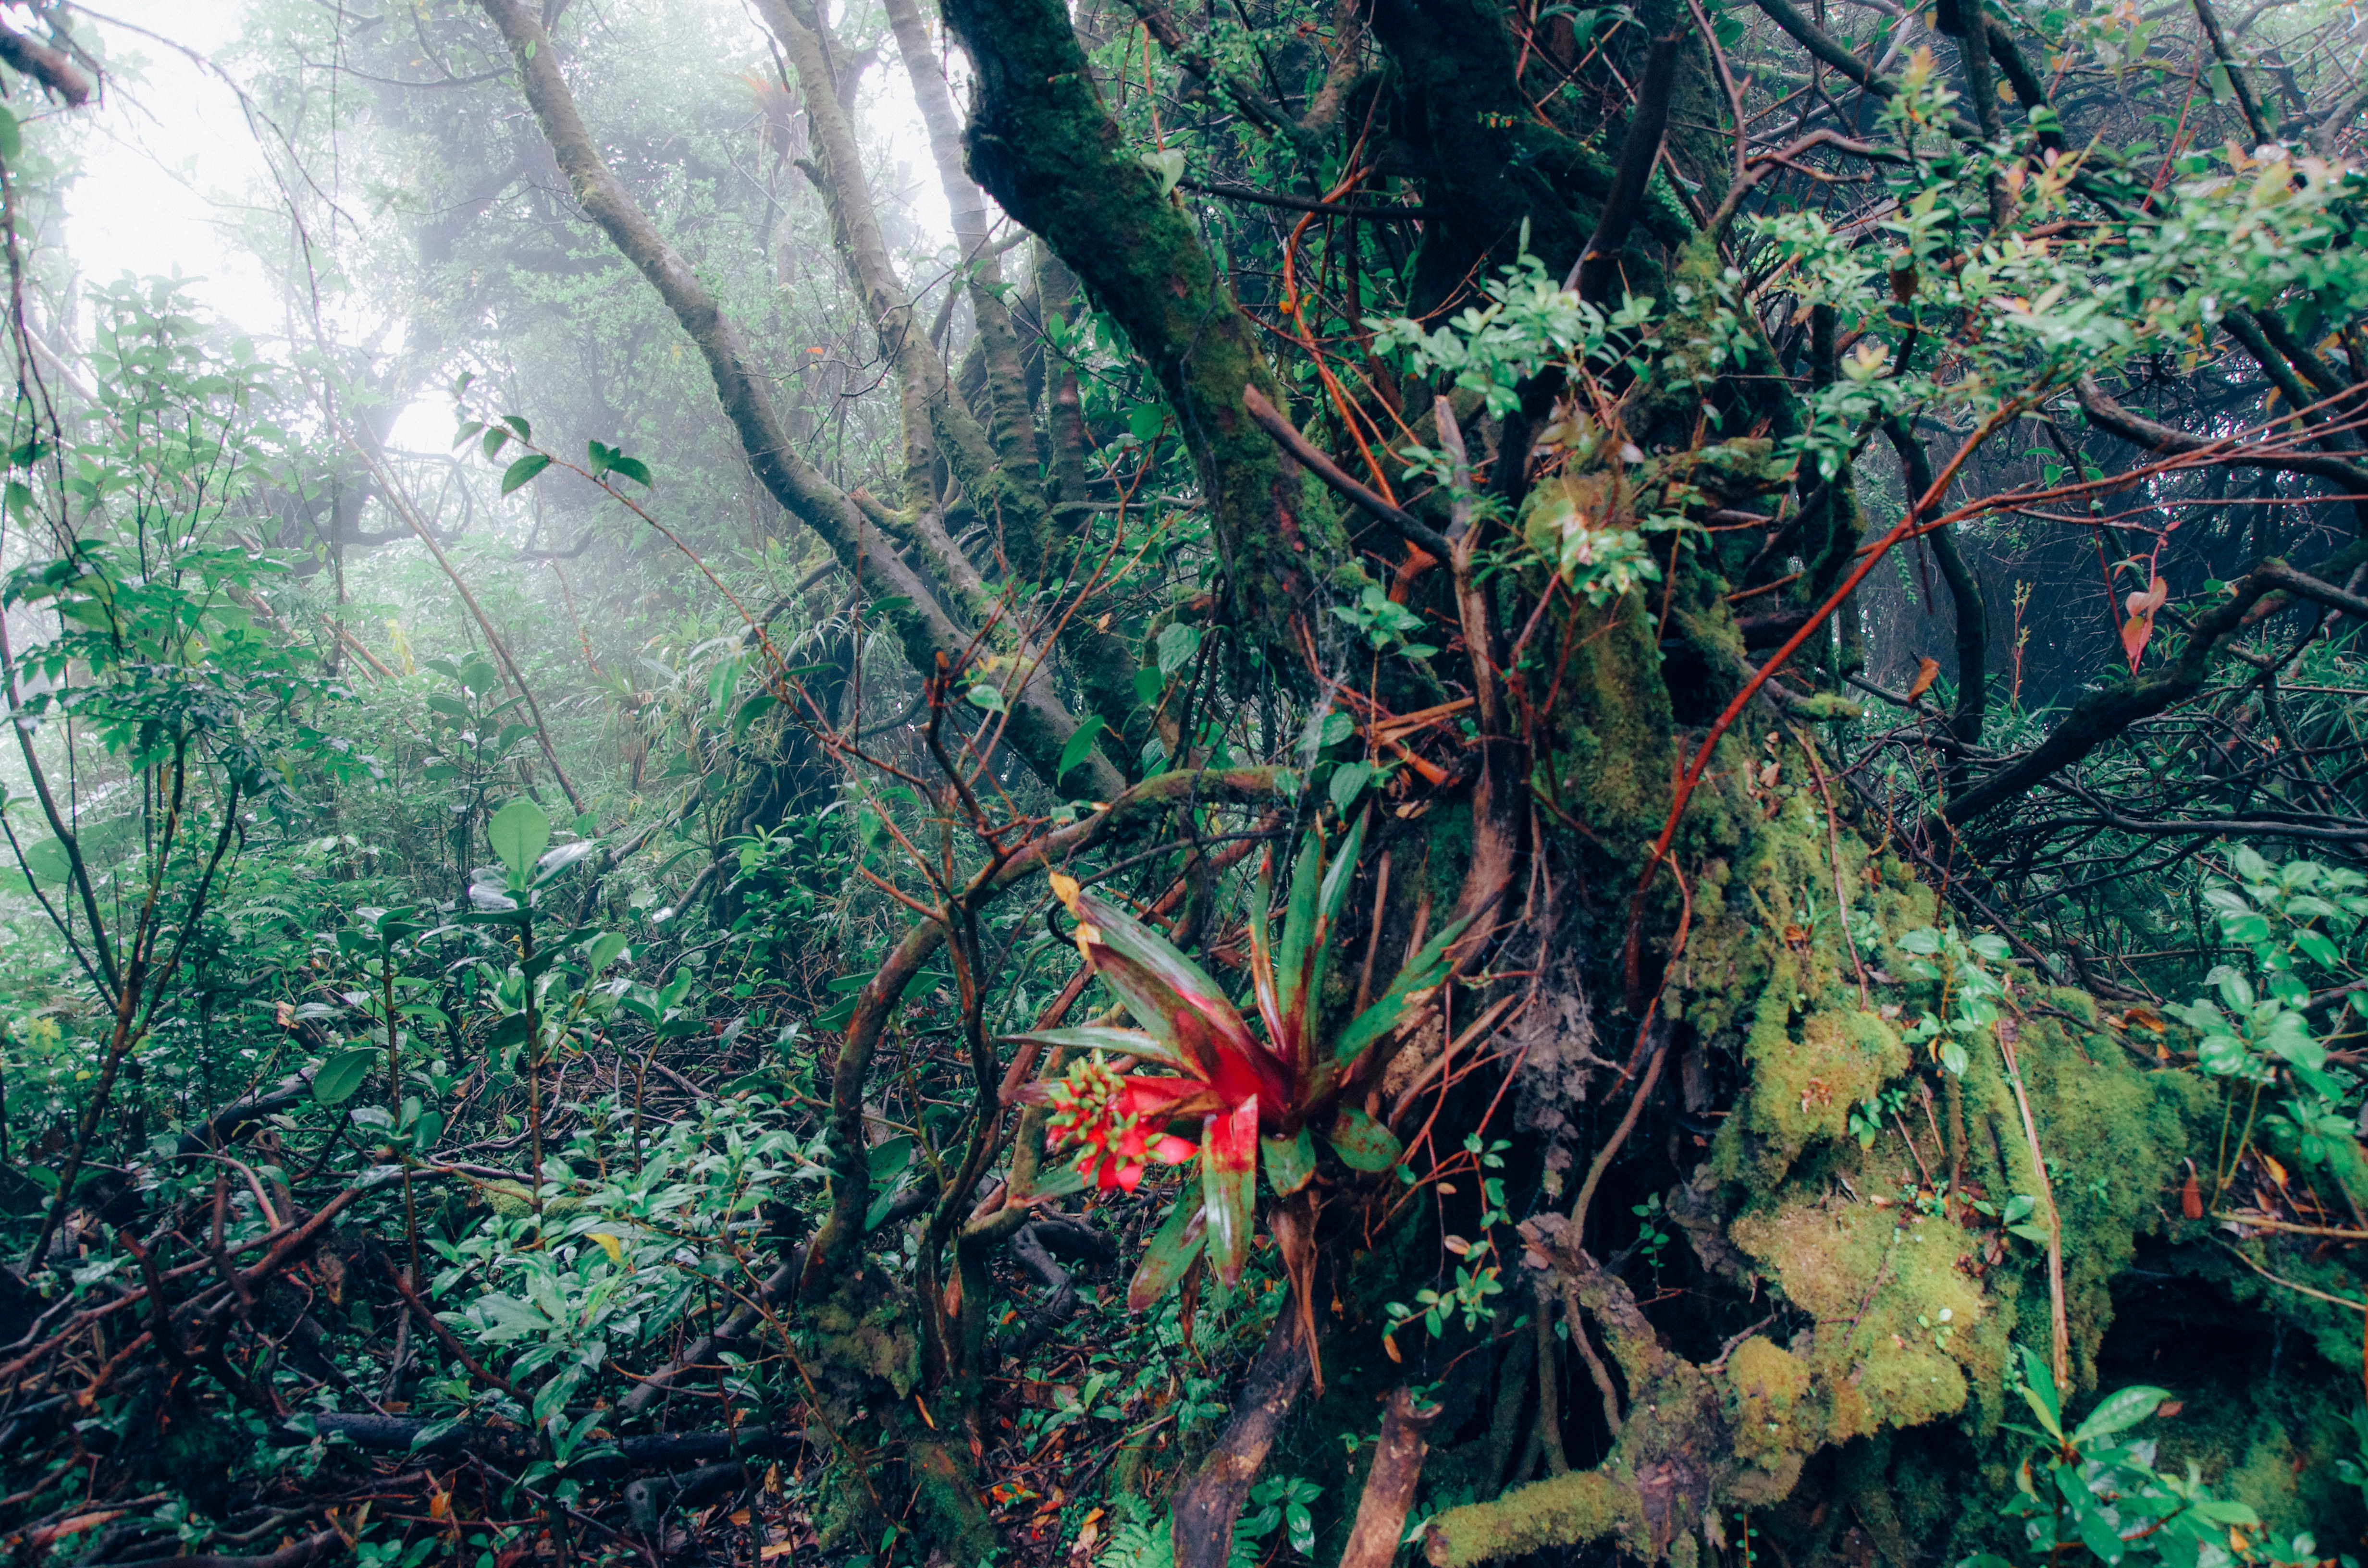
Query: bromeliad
(1246, 1098)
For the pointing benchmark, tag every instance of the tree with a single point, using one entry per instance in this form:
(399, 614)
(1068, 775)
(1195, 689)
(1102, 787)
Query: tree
(1394, 490)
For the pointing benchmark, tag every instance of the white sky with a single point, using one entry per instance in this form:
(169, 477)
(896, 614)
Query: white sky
(167, 151)
(160, 154)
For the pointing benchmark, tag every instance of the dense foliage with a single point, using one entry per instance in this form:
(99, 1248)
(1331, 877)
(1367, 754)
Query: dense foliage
(1478, 781)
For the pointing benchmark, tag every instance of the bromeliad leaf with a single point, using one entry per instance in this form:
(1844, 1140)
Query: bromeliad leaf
(1422, 972)
(1168, 994)
(1289, 1161)
(1173, 1247)
(1298, 938)
(1363, 1142)
(1096, 1037)
(1228, 1184)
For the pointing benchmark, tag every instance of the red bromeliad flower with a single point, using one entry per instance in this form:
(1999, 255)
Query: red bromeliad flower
(1115, 1122)
(1245, 1093)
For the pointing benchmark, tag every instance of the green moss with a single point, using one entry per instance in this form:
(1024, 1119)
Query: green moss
(1584, 1505)
(1766, 1386)
(1897, 1322)
(511, 1200)
(1613, 752)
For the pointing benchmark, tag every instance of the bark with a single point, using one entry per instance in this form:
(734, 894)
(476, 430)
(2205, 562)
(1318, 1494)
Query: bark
(1598, 266)
(997, 470)
(49, 66)
(1208, 1504)
(1390, 1484)
(1042, 145)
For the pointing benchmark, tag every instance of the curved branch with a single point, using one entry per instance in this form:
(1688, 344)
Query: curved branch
(46, 65)
(1039, 725)
(2109, 416)
(1411, 529)
(1599, 260)
(1045, 147)
(2100, 715)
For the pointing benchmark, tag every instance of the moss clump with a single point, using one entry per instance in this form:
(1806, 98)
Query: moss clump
(1898, 1320)
(866, 1330)
(1809, 1069)
(1766, 1385)
(1589, 1505)
(511, 1200)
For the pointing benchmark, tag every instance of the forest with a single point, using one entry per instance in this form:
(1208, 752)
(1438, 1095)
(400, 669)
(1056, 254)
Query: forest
(1190, 784)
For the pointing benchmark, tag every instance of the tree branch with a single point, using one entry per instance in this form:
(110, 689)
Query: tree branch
(1039, 725)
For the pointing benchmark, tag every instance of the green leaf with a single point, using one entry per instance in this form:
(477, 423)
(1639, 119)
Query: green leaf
(2039, 1392)
(1177, 643)
(1424, 970)
(343, 1073)
(985, 694)
(48, 861)
(1299, 933)
(547, 868)
(2317, 948)
(2097, 1533)
(1166, 166)
(12, 137)
(1290, 1162)
(722, 681)
(1099, 1037)
(1365, 1145)
(755, 708)
(1173, 1247)
(1348, 781)
(1079, 745)
(525, 469)
(888, 1160)
(1060, 1181)
(605, 948)
(519, 832)
(634, 469)
(2119, 1413)
(496, 440)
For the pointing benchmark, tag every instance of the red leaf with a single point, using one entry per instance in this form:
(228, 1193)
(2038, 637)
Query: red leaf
(1228, 1186)
(2140, 626)
(1171, 995)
